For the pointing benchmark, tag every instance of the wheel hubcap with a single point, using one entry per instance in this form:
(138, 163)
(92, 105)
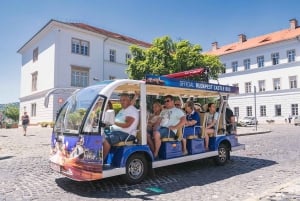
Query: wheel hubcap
(136, 168)
(222, 154)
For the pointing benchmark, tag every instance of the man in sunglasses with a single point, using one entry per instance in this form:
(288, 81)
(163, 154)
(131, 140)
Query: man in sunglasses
(171, 119)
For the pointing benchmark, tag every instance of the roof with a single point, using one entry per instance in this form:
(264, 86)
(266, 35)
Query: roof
(92, 29)
(275, 37)
(110, 34)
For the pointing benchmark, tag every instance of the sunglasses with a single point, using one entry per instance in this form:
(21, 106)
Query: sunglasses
(168, 100)
(177, 105)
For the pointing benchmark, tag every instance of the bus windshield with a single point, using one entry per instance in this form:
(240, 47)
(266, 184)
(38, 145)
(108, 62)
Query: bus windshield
(74, 110)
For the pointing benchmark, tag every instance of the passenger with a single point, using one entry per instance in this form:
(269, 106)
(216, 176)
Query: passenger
(178, 104)
(192, 120)
(198, 107)
(154, 117)
(211, 123)
(171, 119)
(125, 125)
(231, 127)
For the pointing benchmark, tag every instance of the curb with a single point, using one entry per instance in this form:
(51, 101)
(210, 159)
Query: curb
(254, 133)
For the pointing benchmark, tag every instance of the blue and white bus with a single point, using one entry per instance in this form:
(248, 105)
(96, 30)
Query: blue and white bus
(81, 126)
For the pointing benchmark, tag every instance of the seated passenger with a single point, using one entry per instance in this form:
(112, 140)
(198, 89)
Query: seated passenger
(171, 119)
(177, 103)
(211, 123)
(153, 120)
(125, 125)
(192, 120)
(231, 127)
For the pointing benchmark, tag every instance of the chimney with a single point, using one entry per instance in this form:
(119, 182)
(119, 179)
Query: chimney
(214, 46)
(242, 38)
(293, 24)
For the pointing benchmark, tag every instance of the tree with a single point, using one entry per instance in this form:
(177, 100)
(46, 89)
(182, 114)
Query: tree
(166, 56)
(12, 112)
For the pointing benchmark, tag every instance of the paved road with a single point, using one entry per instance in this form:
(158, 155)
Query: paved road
(264, 171)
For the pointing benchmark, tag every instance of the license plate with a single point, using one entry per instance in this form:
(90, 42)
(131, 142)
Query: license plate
(55, 167)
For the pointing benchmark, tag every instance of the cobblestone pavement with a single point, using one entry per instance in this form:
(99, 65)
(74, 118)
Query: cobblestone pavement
(267, 170)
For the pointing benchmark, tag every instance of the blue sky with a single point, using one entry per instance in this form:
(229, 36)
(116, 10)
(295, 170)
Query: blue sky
(199, 21)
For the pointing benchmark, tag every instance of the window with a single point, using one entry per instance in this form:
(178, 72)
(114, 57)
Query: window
(277, 110)
(248, 87)
(293, 82)
(112, 55)
(34, 77)
(79, 77)
(260, 61)
(35, 54)
(263, 111)
(294, 108)
(247, 64)
(33, 109)
(249, 111)
(128, 57)
(275, 58)
(236, 111)
(80, 47)
(291, 55)
(261, 86)
(276, 84)
(234, 66)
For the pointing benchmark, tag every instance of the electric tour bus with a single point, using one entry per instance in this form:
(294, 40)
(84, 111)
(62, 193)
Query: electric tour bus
(84, 119)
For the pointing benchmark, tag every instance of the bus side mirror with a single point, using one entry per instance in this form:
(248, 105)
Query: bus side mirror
(109, 117)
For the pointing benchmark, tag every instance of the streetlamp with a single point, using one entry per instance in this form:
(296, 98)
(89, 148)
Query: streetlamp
(255, 108)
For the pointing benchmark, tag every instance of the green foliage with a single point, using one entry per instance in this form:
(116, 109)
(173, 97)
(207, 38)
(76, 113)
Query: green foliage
(12, 112)
(166, 56)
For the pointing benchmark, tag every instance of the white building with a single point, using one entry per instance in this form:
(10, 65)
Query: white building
(270, 64)
(72, 56)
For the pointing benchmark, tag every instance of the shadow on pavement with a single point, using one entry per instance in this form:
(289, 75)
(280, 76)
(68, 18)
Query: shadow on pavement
(165, 180)
(6, 157)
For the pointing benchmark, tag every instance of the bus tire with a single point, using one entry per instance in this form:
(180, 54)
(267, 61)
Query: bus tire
(136, 169)
(223, 155)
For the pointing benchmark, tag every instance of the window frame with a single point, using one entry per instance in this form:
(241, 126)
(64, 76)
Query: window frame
(293, 82)
(35, 54)
(263, 110)
(234, 66)
(294, 109)
(82, 76)
(33, 110)
(34, 78)
(260, 61)
(278, 112)
(247, 64)
(276, 85)
(80, 47)
(261, 85)
(112, 55)
(248, 87)
(291, 55)
(275, 58)
(249, 111)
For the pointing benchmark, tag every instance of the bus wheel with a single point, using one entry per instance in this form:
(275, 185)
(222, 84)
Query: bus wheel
(136, 169)
(223, 154)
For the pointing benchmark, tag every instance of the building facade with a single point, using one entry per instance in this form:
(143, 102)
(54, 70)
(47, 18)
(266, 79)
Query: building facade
(266, 69)
(69, 56)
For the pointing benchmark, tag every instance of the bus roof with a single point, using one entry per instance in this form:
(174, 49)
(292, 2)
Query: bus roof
(161, 85)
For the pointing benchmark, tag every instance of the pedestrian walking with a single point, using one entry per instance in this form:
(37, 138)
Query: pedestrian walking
(25, 122)
(290, 119)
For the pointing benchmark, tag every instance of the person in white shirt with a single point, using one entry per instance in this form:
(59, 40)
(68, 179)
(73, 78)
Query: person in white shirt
(171, 119)
(125, 125)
